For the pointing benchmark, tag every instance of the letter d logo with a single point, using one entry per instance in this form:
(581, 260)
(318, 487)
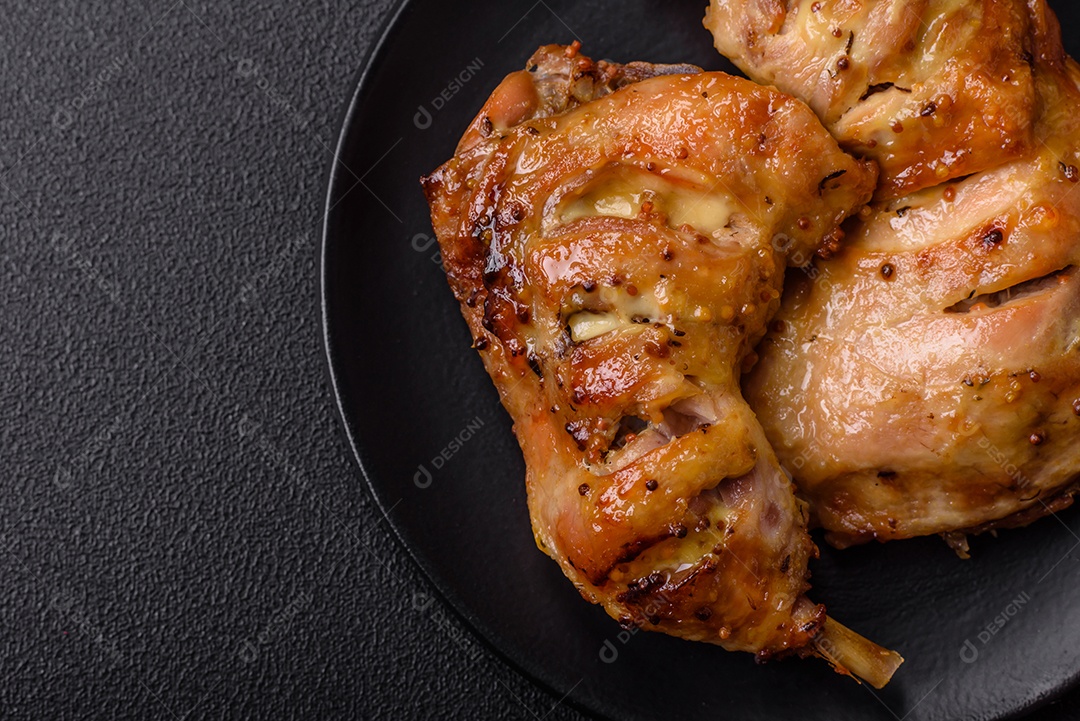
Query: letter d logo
(422, 477)
(422, 119)
(247, 652)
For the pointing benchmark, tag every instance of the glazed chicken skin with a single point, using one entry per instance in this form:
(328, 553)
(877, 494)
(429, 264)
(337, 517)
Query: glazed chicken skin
(617, 237)
(931, 89)
(927, 379)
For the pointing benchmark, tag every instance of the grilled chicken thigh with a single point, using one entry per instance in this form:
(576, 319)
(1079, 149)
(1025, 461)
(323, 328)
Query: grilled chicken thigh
(617, 237)
(927, 380)
(931, 89)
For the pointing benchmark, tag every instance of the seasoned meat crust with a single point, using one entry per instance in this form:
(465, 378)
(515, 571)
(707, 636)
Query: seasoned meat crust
(927, 379)
(617, 236)
(931, 89)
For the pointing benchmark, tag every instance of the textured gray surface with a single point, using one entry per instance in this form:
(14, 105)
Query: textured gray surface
(183, 533)
(183, 529)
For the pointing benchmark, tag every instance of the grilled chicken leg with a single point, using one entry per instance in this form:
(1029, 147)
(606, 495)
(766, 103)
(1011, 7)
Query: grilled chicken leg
(617, 236)
(927, 380)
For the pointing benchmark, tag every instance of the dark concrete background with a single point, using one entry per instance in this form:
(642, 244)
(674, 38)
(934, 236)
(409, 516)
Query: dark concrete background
(183, 533)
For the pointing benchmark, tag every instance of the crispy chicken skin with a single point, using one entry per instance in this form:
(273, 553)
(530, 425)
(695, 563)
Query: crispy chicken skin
(617, 236)
(927, 380)
(931, 89)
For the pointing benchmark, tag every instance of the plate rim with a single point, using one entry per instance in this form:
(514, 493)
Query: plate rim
(347, 117)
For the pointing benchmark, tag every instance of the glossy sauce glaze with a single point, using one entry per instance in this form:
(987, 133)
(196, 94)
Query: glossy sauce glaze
(926, 380)
(932, 90)
(617, 236)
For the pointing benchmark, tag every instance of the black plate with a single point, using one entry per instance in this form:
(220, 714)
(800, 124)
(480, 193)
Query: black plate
(436, 446)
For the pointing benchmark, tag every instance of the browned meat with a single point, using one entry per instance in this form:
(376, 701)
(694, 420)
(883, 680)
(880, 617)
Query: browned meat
(931, 89)
(927, 380)
(617, 237)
